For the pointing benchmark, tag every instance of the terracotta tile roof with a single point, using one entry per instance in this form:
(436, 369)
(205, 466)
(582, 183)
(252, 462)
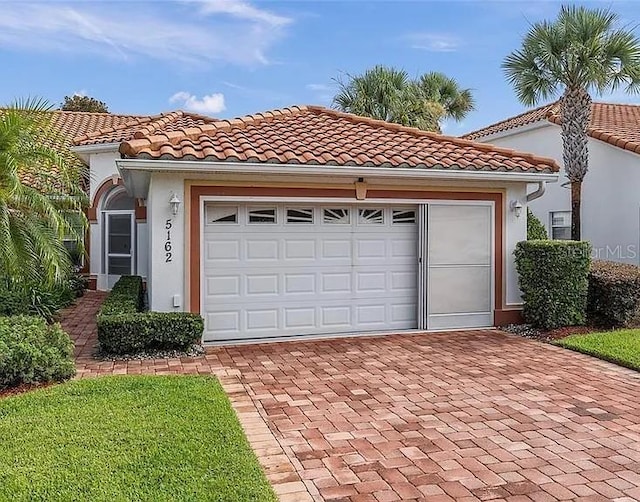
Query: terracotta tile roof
(148, 125)
(528, 117)
(614, 123)
(67, 125)
(319, 136)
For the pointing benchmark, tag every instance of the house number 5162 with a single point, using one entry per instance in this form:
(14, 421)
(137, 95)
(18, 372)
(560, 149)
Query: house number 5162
(168, 256)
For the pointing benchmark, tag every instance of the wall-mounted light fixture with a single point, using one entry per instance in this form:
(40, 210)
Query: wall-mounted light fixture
(174, 202)
(516, 207)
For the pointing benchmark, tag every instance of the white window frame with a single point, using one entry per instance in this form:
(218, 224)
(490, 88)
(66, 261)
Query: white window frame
(552, 227)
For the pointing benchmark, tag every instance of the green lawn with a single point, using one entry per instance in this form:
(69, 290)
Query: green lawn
(127, 439)
(621, 347)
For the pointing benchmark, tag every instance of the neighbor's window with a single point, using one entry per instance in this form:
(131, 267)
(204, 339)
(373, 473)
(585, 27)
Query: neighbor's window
(561, 225)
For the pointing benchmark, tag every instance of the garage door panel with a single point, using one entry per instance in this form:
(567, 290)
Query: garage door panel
(335, 282)
(371, 282)
(224, 285)
(336, 249)
(336, 317)
(261, 250)
(261, 319)
(262, 284)
(299, 283)
(223, 250)
(297, 249)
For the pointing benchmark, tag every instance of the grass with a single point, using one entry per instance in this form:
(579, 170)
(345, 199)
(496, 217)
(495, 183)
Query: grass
(172, 438)
(621, 347)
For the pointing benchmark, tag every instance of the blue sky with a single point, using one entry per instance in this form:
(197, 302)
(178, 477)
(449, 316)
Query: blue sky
(232, 57)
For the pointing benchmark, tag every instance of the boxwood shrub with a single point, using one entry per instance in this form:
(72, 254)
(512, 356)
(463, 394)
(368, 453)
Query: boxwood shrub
(123, 327)
(32, 351)
(614, 294)
(553, 280)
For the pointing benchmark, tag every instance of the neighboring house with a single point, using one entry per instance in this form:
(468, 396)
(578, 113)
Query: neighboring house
(308, 221)
(611, 189)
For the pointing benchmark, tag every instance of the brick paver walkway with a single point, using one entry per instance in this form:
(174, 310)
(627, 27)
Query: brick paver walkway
(477, 415)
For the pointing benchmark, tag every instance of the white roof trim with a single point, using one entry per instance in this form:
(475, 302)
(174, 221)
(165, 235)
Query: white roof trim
(136, 173)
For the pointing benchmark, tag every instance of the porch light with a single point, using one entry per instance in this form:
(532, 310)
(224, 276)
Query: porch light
(516, 207)
(174, 202)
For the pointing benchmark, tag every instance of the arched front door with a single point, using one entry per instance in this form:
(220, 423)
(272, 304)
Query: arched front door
(119, 225)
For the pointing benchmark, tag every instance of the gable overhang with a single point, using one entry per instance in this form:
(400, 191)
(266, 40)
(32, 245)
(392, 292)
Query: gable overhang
(515, 130)
(85, 151)
(136, 173)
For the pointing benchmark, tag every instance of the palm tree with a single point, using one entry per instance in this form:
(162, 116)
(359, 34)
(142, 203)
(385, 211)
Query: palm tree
(41, 196)
(438, 88)
(582, 51)
(385, 93)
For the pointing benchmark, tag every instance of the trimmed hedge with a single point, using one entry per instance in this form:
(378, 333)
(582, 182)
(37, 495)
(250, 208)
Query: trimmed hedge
(31, 351)
(123, 328)
(535, 228)
(553, 280)
(129, 333)
(126, 297)
(614, 294)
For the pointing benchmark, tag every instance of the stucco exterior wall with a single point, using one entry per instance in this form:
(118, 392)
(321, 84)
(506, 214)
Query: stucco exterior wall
(169, 281)
(610, 198)
(166, 234)
(103, 168)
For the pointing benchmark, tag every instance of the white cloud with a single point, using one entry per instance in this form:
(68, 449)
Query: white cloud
(230, 31)
(209, 104)
(242, 10)
(319, 87)
(433, 42)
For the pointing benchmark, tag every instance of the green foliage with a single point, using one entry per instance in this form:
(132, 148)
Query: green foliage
(581, 49)
(385, 93)
(39, 299)
(614, 294)
(126, 297)
(535, 228)
(130, 333)
(620, 347)
(553, 280)
(41, 196)
(127, 438)
(78, 103)
(123, 328)
(32, 351)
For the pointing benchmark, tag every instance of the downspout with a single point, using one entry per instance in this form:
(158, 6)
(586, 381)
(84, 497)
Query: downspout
(538, 193)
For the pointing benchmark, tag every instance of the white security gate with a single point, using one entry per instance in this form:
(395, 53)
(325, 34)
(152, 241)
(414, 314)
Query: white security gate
(456, 261)
(277, 270)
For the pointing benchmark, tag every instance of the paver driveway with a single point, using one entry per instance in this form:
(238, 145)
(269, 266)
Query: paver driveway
(477, 415)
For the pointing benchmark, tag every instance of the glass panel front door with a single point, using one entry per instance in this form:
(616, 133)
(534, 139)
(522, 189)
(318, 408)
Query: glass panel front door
(119, 244)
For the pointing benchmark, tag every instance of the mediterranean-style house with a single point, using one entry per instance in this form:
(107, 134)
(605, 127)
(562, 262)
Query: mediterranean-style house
(610, 198)
(306, 221)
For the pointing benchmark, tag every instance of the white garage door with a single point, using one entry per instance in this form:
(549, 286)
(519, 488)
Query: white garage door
(277, 270)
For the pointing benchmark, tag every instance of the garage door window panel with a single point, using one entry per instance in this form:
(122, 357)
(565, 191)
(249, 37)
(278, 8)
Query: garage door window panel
(263, 215)
(336, 216)
(300, 215)
(222, 214)
(370, 216)
(404, 217)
